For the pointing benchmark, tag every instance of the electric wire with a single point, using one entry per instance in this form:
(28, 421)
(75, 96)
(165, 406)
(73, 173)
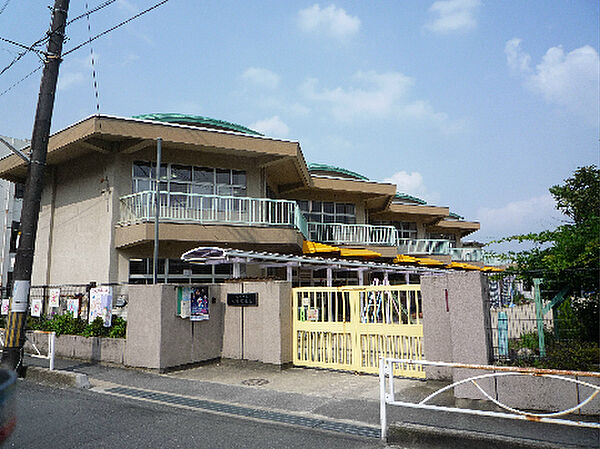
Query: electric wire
(46, 37)
(4, 6)
(77, 47)
(95, 81)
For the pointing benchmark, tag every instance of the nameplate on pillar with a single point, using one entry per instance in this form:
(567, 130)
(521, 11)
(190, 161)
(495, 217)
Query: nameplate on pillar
(242, 299)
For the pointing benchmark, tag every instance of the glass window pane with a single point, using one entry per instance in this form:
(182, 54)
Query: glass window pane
(141, 185)
(328, 207)
(225, 268)
(201, 268)
(176, 266)
(223, 176)
(239, 177)
(138, 266)
(340, 208)
(202, 174)
(224, 190)
(239, 191)
(181, 172)
(328, 218)
(350, 209)
(175, 187)
(142, 169)
(316, 206)
(303, 205)
(204, 189)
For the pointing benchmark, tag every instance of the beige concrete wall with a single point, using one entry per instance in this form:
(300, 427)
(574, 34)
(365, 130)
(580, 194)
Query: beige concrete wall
(260, 333)
(458, 333)
(75, 224)
(158, 339)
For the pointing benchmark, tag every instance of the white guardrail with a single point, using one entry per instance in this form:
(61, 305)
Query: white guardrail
(37, 353)
(212, 209)
(352, 234)
(387, 397)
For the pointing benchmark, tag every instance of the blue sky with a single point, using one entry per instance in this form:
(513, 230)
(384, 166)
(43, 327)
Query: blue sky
(475, 105)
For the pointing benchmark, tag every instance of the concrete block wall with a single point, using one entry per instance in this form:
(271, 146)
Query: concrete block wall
(158, 339)
(260, 333)
(456, 329)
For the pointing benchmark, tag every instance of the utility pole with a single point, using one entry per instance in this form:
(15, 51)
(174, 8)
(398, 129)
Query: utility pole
(15, 335)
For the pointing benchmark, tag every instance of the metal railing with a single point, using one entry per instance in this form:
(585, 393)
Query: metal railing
(212, 209)
(387, 396)
(36, 353)
(423, 246)
(352, 234)
(467, 254)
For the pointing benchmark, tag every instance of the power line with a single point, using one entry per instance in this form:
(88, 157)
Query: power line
(4, 6)
(91, 11)
(21, 80)
(44, 39)
(77, 47)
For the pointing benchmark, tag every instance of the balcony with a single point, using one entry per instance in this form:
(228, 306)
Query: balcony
(352, 234)
(212, 209)
(467, 254)
(423, 246)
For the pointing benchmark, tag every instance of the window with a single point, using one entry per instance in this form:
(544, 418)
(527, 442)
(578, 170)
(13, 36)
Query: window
(19, 190)
(328, 212)
(187, 179)
(178, 271)
(406, 229)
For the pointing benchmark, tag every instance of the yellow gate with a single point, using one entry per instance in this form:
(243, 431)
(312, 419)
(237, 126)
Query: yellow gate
(350, 328)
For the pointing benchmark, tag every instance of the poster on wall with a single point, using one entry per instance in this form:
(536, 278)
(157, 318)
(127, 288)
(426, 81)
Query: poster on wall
(184, 295)
(5, 306)
(73, 307)
(199, 303)
(101, 304)
(54, 297)
(36, 307)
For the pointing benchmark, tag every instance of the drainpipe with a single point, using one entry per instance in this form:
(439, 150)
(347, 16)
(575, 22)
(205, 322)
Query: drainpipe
(156, 211)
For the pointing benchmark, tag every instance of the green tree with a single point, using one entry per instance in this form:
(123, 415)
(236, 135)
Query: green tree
(569, 255)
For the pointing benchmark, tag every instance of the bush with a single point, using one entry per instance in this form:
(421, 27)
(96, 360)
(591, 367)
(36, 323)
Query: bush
(68, 325)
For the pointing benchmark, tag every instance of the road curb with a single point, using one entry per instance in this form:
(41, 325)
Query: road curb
(419, 436)
(58, 378)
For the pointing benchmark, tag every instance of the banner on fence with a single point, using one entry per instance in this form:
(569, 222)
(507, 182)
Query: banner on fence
(101, 304)
(73, 307)
(36, 307)
(5, 306)
(54, 297)
(199, 304)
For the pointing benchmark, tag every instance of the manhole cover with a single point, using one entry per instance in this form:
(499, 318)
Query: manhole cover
(255, 382)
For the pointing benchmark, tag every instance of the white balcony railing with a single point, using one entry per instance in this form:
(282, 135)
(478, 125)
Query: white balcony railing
(352, 234)
(212, 209)
(423, 246)
(467, 254)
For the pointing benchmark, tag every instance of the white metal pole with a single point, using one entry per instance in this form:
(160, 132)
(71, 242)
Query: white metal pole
(51, 342)
(382, 405)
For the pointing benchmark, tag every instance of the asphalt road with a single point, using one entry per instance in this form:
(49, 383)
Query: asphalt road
(69, 418)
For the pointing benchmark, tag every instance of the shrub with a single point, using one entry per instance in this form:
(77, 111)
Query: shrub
(68, 325)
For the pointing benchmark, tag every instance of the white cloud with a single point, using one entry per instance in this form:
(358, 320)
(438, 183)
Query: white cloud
(381, 95)
(273, 126)
(518, 217)
(76, 72)
(261, 77)
(332, 21)
(378, 96)
(569, 80)
(412, 184)
(453, 16)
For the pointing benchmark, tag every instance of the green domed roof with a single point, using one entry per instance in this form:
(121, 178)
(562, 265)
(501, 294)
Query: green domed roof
(197, 120)
(336, 171)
